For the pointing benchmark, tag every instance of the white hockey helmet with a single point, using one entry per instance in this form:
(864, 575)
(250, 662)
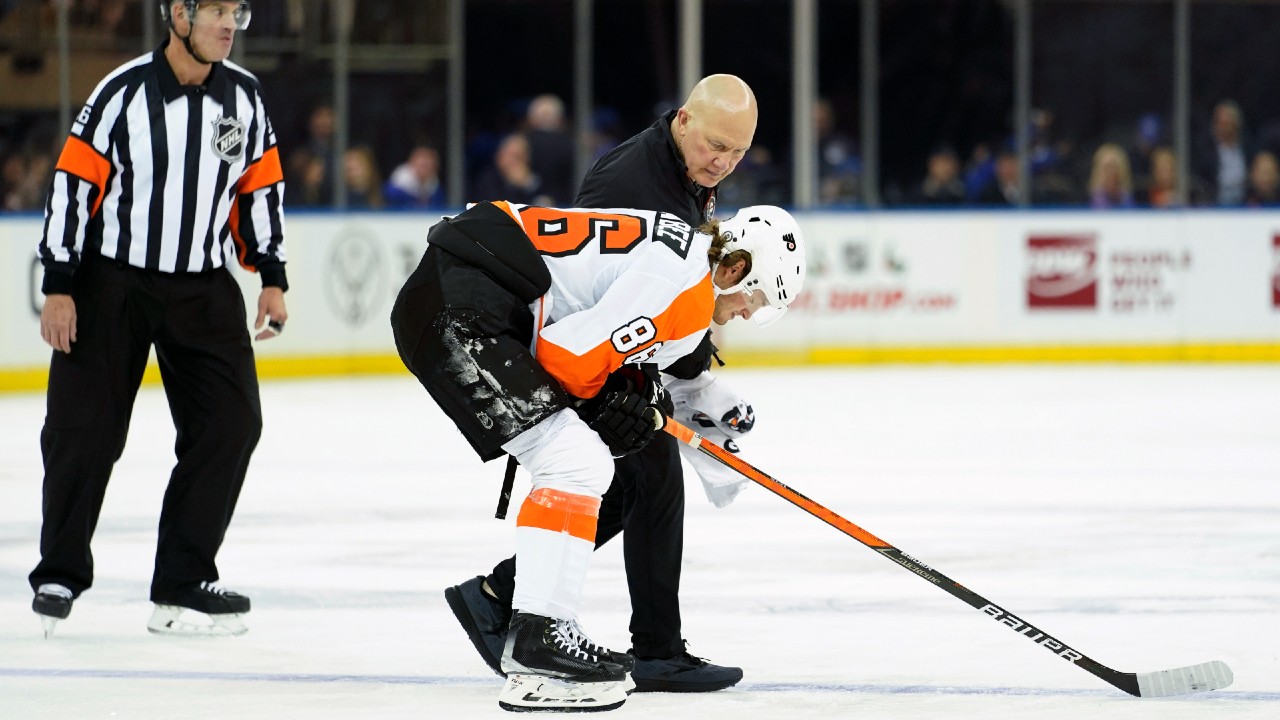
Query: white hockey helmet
(773, 239)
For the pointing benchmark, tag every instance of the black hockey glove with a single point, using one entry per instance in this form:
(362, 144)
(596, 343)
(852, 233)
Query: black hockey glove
(627, 412)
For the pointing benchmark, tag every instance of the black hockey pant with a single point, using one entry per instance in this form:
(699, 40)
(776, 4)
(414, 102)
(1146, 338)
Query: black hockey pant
(466, 339)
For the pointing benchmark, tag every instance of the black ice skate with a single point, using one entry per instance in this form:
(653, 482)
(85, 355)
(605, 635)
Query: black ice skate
(483, 617)
(52, 603)
(224, 609)
(549, 670)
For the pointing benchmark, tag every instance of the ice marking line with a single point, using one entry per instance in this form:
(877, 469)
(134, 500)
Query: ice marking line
(779, 687)
(247, 676)
(1216, 695)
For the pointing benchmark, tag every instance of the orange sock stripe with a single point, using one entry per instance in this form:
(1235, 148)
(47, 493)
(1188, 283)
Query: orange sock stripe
(560, 511)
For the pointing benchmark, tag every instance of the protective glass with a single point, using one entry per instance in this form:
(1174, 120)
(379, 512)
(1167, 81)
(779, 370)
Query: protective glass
(216, 13)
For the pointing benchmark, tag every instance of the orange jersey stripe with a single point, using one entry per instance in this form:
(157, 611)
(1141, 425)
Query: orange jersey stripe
(262, 173)
(79, 158)
(560, 512)
(505, 207)
(242, 249)
(583, 375)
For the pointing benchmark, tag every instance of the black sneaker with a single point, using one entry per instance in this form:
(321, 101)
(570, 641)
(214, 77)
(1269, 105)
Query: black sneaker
(682, 673)
(547, 647)
(483, 617)
(52, 600)
(206, 597)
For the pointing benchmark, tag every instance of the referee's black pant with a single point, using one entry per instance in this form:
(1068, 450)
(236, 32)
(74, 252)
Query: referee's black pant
(646, 500)
(197, 323)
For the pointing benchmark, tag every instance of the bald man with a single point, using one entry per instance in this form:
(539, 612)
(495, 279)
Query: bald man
(673, 166)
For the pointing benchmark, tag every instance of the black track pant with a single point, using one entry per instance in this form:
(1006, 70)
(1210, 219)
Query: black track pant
(197, 324)
(646, 504)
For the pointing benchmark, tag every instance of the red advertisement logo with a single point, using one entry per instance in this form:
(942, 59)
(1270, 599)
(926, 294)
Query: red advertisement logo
(1062, 271)
(1275, 271)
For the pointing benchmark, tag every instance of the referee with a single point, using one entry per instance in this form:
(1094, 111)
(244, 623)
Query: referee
(170, 168)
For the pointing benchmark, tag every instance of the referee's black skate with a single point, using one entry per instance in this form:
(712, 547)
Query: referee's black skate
(224, 609)
(548, 669)
(52, 603)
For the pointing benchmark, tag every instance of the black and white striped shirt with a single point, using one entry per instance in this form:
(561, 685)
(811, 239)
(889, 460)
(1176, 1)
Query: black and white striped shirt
(168, 177)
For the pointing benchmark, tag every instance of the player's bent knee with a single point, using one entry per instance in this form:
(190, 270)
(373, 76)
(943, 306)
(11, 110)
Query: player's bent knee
(562, 453)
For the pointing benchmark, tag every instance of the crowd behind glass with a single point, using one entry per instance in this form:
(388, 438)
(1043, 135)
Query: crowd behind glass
(521, 147)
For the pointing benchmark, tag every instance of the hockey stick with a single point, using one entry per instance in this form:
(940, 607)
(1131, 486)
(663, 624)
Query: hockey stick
(1212, 675)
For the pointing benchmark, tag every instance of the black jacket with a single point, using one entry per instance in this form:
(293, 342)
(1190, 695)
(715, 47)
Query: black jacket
(647, 172)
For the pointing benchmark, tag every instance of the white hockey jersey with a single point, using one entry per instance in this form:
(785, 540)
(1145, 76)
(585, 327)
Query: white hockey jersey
(627, 287)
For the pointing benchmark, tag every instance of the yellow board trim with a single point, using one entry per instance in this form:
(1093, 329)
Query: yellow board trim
(31, 379)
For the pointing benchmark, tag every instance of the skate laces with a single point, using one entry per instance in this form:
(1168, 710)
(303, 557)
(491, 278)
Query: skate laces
(214, 588)
(580, 637)
(570, 638)
(54, 589)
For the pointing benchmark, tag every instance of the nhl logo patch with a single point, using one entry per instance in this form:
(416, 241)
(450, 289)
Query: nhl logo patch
(228, 139)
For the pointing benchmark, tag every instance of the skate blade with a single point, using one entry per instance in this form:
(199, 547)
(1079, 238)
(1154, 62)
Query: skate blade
(174, 620)
(536, 693)
(49, 623)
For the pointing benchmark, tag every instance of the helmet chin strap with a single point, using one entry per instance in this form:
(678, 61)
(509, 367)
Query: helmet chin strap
(186, 40)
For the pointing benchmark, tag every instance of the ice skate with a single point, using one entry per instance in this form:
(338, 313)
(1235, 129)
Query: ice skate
(205, 609)
(548, 669)
(52, 603)
(627, 661)
(483, 617)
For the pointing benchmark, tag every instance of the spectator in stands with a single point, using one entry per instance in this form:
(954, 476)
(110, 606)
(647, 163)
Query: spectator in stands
(551, 154)
(942, 184)
(1110, 181)
(320, 148)
(979, 171)
(1222, 161)
(1003, 188)
(511, 177)
(1264, 181)
(364, 184)
(1049, 154)
(305, 178)
(839, 167)
(1148, 135)
(605, 132)
(415, 183)
(757, 180)
(25, 181)
(1161, 185)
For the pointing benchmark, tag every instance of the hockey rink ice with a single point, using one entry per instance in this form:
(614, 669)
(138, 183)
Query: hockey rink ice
(1131, 511)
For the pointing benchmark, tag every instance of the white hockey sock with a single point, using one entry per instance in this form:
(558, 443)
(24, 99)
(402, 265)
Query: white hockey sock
(556, 528)
(555, 537)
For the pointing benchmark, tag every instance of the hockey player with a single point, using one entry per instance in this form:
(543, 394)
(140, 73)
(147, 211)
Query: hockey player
(539, 331)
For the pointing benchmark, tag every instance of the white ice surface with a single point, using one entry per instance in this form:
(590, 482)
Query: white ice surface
(1133, 512)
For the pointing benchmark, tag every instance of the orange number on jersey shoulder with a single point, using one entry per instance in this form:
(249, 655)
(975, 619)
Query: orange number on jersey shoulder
(560, 232)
